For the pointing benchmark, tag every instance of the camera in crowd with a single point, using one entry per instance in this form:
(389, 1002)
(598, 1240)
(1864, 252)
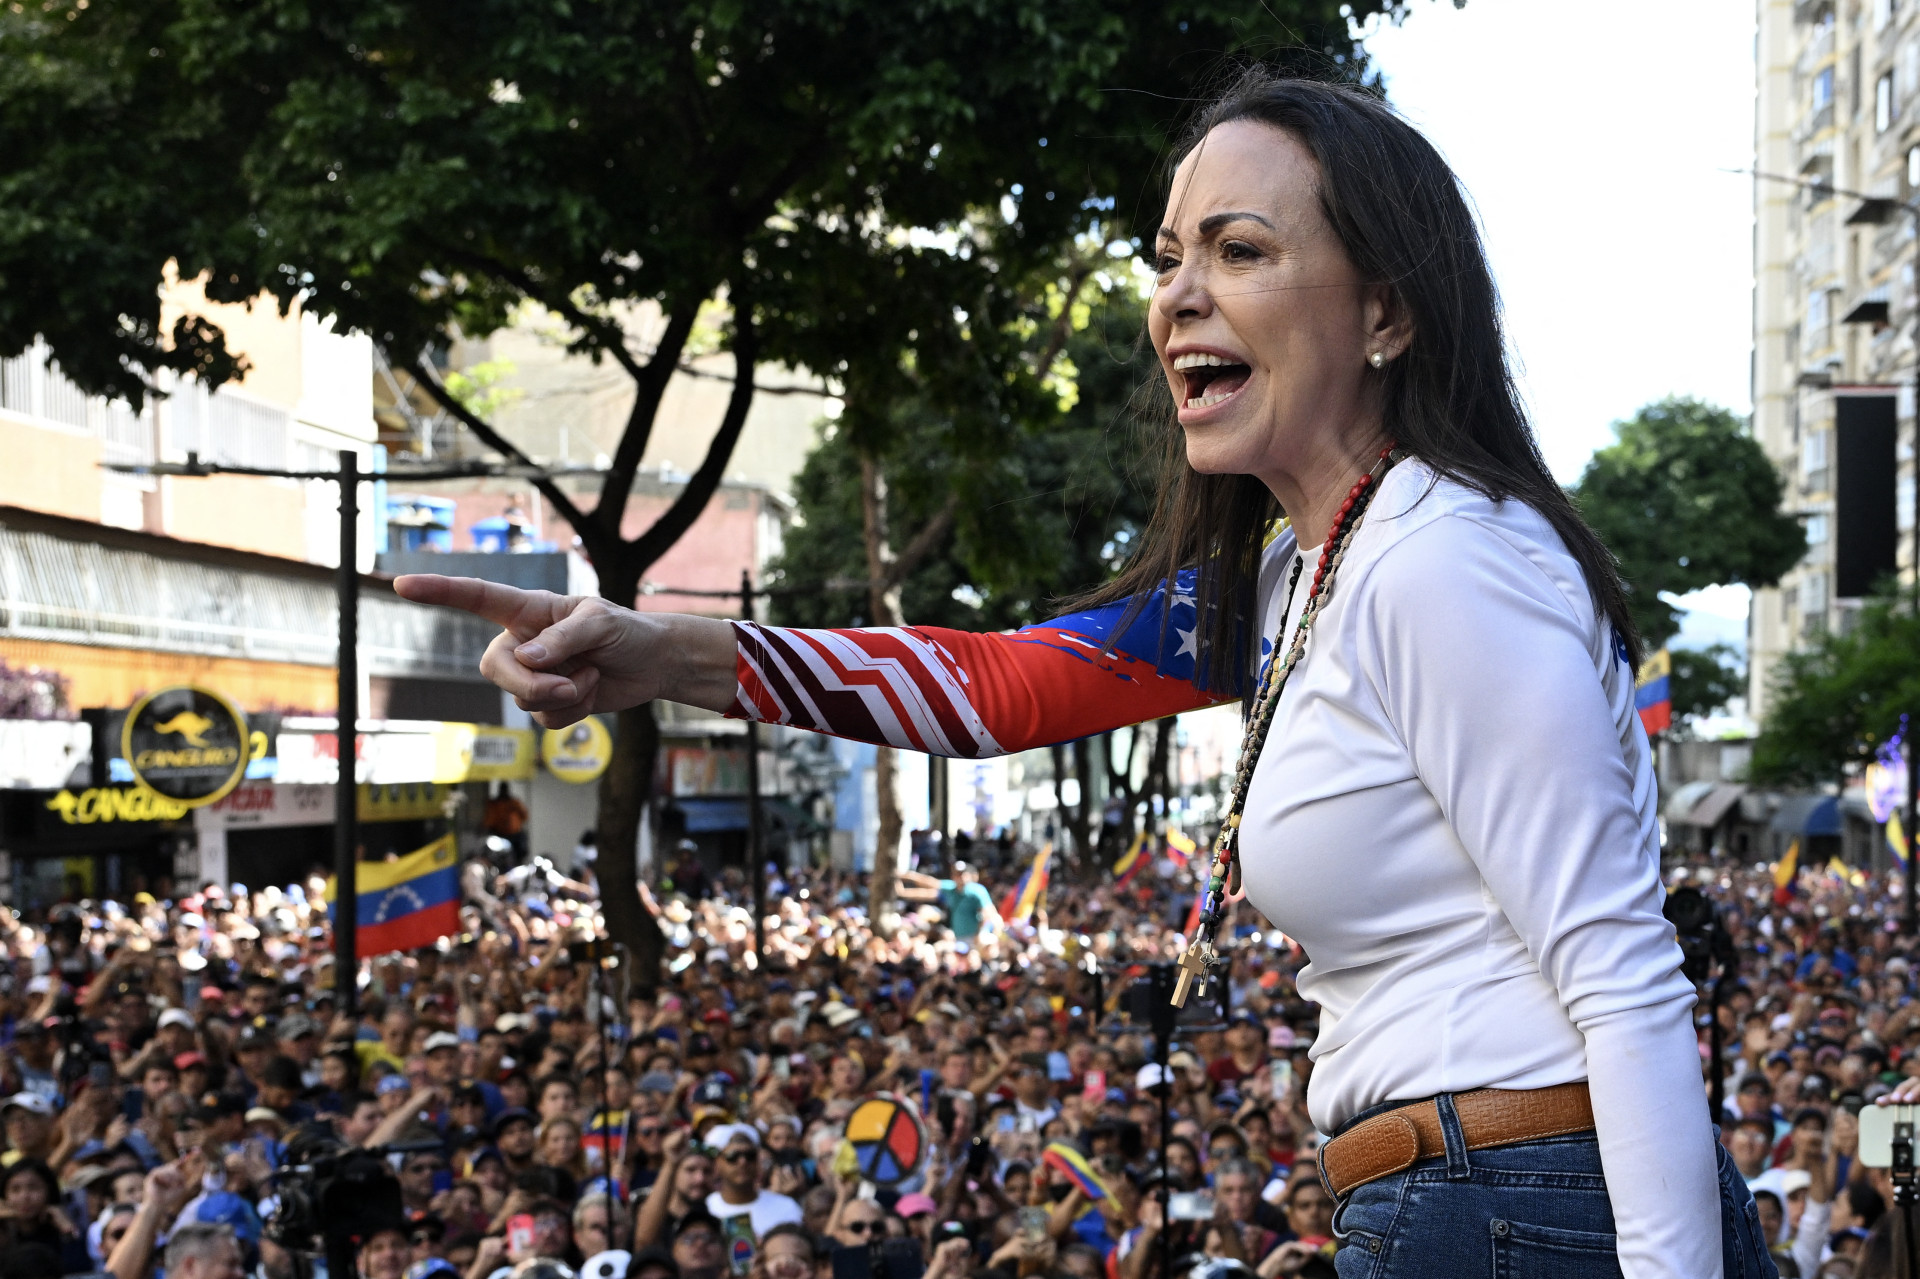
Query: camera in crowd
(334, 1197)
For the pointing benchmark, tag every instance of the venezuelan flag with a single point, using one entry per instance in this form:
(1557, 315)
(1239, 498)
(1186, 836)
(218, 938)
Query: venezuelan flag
(1783, 872)
(1652, 692)
(1897, 837)
(1130, 861)
(1180, 848)
(1019, 905)
(404, 904)
(1073, 1165)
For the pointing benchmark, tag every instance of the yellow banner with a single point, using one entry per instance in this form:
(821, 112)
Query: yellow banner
(482, 753)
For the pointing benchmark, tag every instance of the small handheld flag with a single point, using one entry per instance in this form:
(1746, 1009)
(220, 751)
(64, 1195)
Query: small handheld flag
(1073, 1165)
(1653, 694)
(1130, 861)
(1180, 847)
(1030, 891)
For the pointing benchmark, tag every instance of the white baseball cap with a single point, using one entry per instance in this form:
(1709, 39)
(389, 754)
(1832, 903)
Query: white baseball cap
(32, 1101)
(176, 1017)
(441, 1039)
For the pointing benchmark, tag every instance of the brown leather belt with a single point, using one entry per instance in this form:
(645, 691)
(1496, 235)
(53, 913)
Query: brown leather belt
(1394, 1141)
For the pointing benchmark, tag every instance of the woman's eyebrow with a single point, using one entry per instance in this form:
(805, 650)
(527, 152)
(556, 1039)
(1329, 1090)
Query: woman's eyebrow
(1214, 221)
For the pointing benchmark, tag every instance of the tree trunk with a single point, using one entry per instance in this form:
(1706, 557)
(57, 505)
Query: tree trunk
(624, 791)
(883, 602)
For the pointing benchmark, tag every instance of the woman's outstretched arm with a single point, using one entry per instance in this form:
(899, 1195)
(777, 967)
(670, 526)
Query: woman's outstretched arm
(927, 689)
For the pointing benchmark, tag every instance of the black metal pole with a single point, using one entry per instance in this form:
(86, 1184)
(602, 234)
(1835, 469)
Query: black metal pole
(1911, 913)
(756, 855)
(346, 816)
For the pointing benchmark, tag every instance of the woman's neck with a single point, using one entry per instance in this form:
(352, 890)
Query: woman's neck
(1312, 487)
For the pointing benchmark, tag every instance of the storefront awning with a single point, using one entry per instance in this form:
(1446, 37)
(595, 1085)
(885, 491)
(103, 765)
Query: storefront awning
(1807, 815)
(1712, 808)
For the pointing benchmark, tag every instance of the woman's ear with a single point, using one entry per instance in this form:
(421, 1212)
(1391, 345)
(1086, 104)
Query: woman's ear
(1389, 325)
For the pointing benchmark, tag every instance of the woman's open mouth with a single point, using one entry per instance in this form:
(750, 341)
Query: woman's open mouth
(1209, 379)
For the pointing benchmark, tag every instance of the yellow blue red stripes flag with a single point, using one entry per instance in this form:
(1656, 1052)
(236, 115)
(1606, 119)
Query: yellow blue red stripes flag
(1019, 904)
(1897, 837)
(1180, 847)
(1131, 861)
(406, 903)
(1653, 692)
(1071, 1164)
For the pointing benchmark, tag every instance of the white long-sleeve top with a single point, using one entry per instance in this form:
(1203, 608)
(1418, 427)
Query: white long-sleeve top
(1454, 814)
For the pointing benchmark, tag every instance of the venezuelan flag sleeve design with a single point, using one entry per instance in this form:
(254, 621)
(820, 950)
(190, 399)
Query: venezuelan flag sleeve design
(965, 695)
(407, 903)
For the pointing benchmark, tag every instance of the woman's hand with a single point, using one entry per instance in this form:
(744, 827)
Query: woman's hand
(565, 657)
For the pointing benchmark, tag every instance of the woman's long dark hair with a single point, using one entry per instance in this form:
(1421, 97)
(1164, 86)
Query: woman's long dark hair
(1449, 400)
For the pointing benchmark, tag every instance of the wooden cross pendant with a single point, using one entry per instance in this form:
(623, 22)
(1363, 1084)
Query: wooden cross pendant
(1195, 961)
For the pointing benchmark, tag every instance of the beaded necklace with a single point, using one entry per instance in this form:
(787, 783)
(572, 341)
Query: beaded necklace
(1223, 882)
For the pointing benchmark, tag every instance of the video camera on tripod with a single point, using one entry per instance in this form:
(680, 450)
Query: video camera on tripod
(334, 1197)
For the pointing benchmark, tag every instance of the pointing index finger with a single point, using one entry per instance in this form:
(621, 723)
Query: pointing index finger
(525, 613)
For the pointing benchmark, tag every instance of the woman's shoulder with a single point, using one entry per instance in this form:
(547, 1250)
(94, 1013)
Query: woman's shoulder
(1428, 531)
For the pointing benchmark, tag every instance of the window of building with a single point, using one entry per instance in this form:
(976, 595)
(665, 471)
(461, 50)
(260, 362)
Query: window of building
(1882, 13)
(1816, 528)
(1823, 89)
(1903, 503)
(1813, 593)
(1883, 103)
(1817, 317)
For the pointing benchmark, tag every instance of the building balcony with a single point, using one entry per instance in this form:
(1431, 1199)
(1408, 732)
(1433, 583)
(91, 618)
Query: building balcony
(1813, 124)
(1808, 12)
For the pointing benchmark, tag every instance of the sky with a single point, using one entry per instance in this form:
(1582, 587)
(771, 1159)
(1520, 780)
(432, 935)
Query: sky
(1594, 140)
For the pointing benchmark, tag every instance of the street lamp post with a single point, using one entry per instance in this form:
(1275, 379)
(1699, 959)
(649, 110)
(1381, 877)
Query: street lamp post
(346, 738)
(1877, 210)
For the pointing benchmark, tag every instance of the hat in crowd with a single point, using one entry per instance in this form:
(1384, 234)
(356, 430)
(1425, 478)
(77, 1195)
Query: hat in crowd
(32, 1102)
(913, 1205)
(252, 1036)
(188, 1060)
(441, 1039)
(700, 1044)
(838, 1014)
(511, 1115)
(265, 1115)
(297, 1026)
(507, 1023)
(720, 1136)
(391, 1083)
(1151, 1076)
(176, 1017)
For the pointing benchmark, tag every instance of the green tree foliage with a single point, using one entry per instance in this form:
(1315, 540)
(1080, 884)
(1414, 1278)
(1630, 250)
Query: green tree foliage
(1704, 680)
(1685, 498)
(870, 187)
(1045, 517)
(1833, 702)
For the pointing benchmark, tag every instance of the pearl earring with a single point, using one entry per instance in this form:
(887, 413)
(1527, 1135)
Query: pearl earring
(1378, 359)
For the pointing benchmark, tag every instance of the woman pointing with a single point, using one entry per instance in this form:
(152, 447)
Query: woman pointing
(1445, 793)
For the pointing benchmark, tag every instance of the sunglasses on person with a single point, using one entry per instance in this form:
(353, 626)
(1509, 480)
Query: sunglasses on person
(735, 1156)
(649, 1130)
(859, 1227)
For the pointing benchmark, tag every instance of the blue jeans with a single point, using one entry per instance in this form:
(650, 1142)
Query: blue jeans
(1534, 1210)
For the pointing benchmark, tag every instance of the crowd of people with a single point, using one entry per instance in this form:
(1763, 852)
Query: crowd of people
(162, 1058)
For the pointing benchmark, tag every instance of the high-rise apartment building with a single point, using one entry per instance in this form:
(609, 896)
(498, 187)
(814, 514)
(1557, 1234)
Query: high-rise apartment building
(1837, 118)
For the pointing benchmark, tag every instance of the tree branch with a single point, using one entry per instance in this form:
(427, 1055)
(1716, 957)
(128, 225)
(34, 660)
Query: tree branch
(650, 383)
(501, 444)
(923, 543)
(1063, 323)
(666, 530)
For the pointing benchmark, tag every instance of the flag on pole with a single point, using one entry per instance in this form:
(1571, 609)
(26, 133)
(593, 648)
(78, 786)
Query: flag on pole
(1180, 848)
(1784, 871)
(1652, 692)
(1131, 861)
(1897, 837)
(1030, 891)
(407, 903)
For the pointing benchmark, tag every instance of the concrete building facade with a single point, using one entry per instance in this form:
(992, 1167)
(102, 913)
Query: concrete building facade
(1837, 117)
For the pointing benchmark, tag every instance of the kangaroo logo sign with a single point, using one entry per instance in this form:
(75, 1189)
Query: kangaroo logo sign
(187, 744)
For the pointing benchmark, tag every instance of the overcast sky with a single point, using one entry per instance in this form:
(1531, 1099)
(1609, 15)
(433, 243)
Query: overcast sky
(1593, 139)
